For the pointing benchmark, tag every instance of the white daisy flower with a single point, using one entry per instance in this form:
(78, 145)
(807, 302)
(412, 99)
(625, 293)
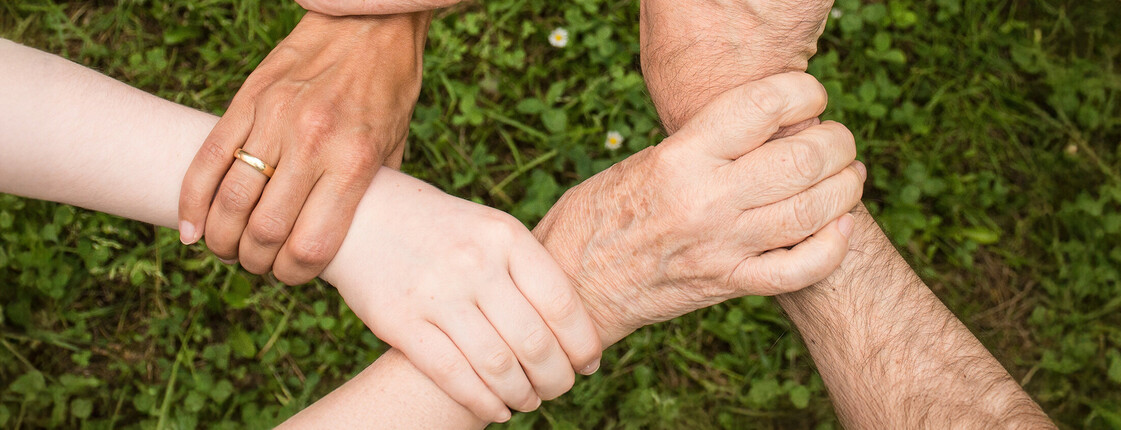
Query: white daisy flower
(614, 140)
(559, 37)
(836, 13)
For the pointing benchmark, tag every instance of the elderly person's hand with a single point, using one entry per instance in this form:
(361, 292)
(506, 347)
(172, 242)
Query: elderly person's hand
(708, 214)
(326, 108)
(757, 38)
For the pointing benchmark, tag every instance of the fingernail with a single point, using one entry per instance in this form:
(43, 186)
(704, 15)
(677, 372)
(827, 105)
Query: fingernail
(187, 233)
(845, 224)
(503, 416)
(590, 369)
(226, 261)
(863, 170)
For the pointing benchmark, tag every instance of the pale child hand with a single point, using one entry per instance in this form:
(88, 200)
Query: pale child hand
(468, 294)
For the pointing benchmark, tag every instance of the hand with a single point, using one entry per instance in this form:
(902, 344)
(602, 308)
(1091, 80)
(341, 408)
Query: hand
(326, 108)
(373, 7)
(754, 39)
(707, 215)
(455, 286)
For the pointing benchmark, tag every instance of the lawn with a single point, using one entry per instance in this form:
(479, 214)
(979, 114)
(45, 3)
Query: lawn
(992, 130)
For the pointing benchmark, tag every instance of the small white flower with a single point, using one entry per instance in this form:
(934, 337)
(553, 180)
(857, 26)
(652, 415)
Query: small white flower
(836, 13)
(614, 140)
(559, 37)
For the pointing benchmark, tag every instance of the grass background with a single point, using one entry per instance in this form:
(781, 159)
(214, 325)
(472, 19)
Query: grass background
(992, 129)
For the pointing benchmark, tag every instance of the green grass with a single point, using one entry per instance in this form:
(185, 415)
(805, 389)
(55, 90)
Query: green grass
(992, 129)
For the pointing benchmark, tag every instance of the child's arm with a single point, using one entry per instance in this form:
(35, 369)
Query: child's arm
(464, 290)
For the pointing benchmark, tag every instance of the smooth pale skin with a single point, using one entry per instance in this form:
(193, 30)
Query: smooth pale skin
(95, 121)
(464, 290)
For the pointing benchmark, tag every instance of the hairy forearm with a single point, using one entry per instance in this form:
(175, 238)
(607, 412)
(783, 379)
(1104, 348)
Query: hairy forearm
(893, 356)
(889, 351)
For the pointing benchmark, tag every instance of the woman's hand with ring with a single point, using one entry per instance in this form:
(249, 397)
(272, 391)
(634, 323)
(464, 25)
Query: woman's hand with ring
(327, 108)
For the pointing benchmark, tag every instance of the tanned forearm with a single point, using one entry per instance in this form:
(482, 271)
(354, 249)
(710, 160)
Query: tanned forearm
(891, 354)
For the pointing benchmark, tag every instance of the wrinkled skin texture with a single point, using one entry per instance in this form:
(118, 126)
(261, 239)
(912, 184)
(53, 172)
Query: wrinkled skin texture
(327, 107)
(692, 51)
(706, 215)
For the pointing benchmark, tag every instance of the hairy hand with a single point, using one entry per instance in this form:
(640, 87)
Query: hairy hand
(326, 108)
(468, 294)
(692, 51)
(708, 214)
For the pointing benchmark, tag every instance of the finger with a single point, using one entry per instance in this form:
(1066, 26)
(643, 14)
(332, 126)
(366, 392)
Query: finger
(785, 270)
(742, 118)
(788, 166)
(805, 213)
(374, 7)
(320, 227)
(430, 350)
(275, 215)
(542, 358)
(236, 198)
(542, 281)
(492, 359)
(209, 167)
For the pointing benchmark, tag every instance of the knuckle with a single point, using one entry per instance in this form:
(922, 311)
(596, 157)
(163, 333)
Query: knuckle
(267, 230)
(561, 386)
(194, 198)
(212, 150)
(805, 160)
(766, 98)
(314, 122)
(310, 252)
(499, 362)
(235, 196)
(528, 403)
(805, 215)
(290, 275)
(448, 365)
(538, 345)
(564, 303)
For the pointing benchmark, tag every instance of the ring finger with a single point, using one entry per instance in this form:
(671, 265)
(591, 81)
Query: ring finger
(238, 194)
(274, 216)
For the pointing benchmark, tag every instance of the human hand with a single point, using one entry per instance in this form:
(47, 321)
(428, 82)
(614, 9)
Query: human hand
(706, 215)
(695, 50)
(328, 106)
(467, 293)
(373, 7)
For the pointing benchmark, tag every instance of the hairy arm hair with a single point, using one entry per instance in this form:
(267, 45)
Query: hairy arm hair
(890, 353)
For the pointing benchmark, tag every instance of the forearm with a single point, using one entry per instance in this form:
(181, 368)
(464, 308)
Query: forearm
(889, 351)
(71, 135)
(893, 356)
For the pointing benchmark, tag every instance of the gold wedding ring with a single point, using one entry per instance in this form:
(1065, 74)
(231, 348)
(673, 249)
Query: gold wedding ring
(254, 162)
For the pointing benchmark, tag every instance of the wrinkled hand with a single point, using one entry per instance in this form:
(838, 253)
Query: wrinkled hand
(468, 294)
(706, 215)
(326, 108)
(754, 39)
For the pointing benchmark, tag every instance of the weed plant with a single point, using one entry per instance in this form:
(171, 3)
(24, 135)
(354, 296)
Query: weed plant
(992, 129)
